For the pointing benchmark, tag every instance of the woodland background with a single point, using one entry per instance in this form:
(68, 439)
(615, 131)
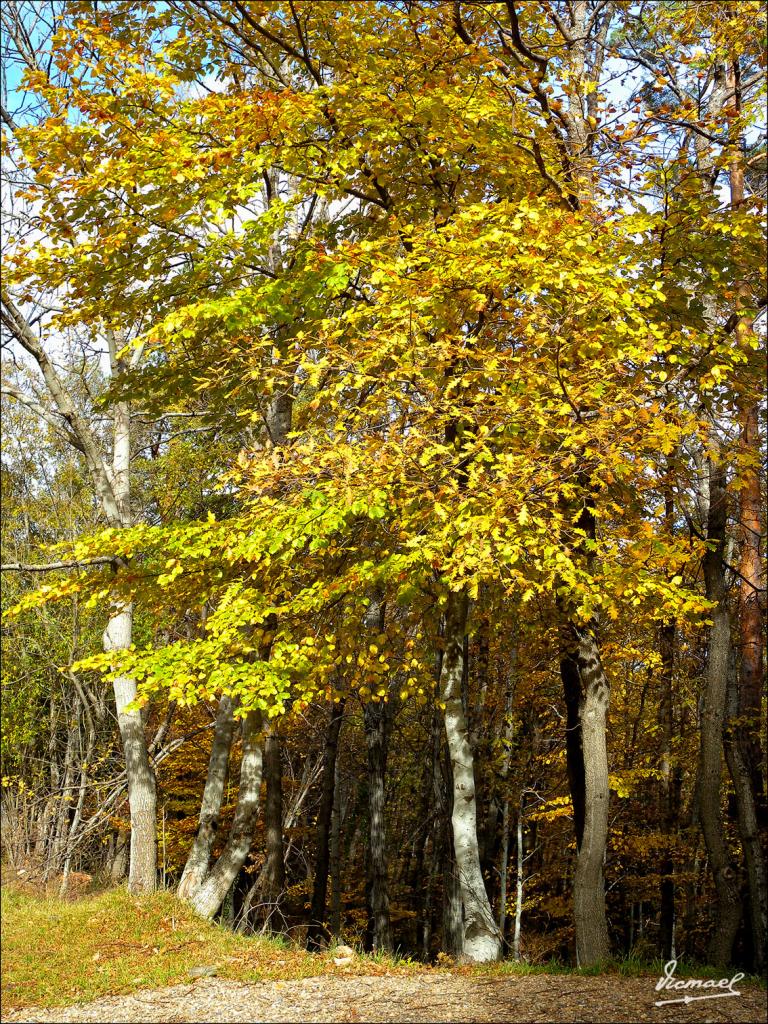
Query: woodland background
(382, 491)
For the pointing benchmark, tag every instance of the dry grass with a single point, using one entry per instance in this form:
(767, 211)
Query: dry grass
(57, 952)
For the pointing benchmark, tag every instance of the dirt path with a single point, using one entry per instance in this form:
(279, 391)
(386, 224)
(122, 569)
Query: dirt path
(420, 998)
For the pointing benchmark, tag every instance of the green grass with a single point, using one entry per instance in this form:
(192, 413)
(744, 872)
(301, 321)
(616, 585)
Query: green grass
(631, 967)
(628, 967)
(57, 952)
(514, 967)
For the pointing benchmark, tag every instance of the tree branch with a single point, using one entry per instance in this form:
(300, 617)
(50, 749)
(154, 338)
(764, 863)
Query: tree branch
(459, 26)
(52, 566)
(514, 26)
(7, 118)
(39, 410)
(15, 322)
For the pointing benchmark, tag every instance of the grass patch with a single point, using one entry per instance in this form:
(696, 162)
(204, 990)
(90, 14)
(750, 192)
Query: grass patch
(507, 968)
(631, 967)
(57, 952)
(628, 967)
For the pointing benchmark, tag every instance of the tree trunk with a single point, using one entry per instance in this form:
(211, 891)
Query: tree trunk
(453, 921)
(114, 494)
(335, 855)
(750, 520)
(481, 935)
(727, 906)
(751, 676)
(227, 917)
(453, 917)
(588, 886)
(274, 867)
(667, 790)
(211, 894)
(587, 691)
(436, 828)
(316, 932)
(142, 790)
(61, 825)
(746, 762)
(424, 921)
(482, 647)
(509, 735)
(418, 877)
(142, 798)
(376, 741)
(119, 866)
(749, 828)
(199, 858)
(504, 868)
(46, 821)
(218, 884)
(574, 755)
(86, 757)
(520, 881)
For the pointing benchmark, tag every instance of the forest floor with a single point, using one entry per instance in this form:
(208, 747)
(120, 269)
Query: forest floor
(111, 957)
(435, 996)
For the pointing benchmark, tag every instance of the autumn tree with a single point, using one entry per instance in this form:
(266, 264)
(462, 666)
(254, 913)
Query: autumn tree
(470, 324)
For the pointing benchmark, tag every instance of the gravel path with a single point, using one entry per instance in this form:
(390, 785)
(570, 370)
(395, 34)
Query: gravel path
(418, 998)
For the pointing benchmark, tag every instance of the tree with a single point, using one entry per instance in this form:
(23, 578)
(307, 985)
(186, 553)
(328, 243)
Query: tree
(475, 387)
